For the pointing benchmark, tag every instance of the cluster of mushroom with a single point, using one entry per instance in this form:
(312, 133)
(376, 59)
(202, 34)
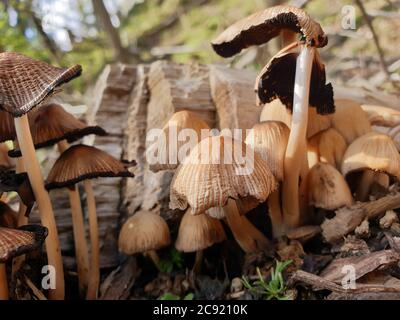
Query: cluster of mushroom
(31, 124)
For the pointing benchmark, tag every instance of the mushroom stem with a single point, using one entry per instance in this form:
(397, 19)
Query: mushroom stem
(198, 261)
(248, 237)
(296, 147)
(81, 247)
(364, 186)
(3, 282)
(32, 167)
(275, 213)
(152, 254)
(94, 276)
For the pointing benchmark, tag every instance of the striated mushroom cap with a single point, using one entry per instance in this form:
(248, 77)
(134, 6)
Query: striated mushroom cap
(81, 162)
(25, 82)
(375, 151)
(328, 188)
(262, 26)
(214, 172)
(198, 232)
(277, 78)
(51, 123)
(15, 242)
(269, 139)
(143, 232)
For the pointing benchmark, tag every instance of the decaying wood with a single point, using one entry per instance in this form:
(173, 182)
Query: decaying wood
(304, 233)
(347, 219)
(233, 95)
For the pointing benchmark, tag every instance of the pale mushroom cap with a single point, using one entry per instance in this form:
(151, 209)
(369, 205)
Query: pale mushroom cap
(143, 232)
(350, 120)
(212, 174)
(276, 111)
(174, 137)
(328, 188)
(270, 139)
(382, 116)
(198, 232)
(374, 151)
(332, 147)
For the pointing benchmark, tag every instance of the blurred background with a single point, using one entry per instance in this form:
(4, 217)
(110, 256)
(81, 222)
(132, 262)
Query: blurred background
(363, 50)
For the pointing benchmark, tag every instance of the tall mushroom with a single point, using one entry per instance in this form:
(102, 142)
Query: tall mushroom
(83, 163)
(49, 125)
(24, 84)
(297, 70)
(217, 172)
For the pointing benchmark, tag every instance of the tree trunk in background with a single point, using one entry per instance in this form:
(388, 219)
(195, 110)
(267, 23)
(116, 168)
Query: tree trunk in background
(103, 18)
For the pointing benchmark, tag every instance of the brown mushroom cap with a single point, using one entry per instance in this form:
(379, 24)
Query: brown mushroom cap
(262, 26)
(204, 179)
(81, 162)
(7, 129)
(277, 78)
(15, 242)
(198, 232)
(269, 139)
(25, 82)
(375, 151)
(328, 188)
(179, 121)
(51, 123)
(143, 232)
(8, 217)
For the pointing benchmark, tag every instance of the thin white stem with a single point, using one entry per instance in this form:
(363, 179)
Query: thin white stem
(3, 282)
(32, 167)
(297, 139)
(275, 213)
(94, 275)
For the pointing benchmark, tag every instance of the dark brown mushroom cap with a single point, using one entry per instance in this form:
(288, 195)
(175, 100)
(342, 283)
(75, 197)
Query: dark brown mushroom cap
(81, 162)
(25, 82)
(15, 242)
(7, 128)
(51, 123)
(277, 78)
(262, 26)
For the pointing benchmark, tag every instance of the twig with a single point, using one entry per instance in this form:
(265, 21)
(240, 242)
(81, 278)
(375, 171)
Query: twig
(34, 289)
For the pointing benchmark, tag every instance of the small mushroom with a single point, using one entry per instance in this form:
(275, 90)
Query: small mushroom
(213, 176)
(144, 232)
(83, 163)
(196, 233)
(370, 153)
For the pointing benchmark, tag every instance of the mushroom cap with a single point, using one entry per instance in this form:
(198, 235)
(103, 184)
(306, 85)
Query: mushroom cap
(8, 217)
(382, 116)
(25, 82)
(51, 123)
(143, 232)
(81, 162)
(262, 26)
(7, 128)
(277, 78)
(169, 150)
(198, 232)
(350, 120)
(269, 139)
(15, 242)
(328, 188)
(375, 151)
(213, 172)
(276, 111)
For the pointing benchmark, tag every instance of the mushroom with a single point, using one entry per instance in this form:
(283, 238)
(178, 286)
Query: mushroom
(382, 116)
(83, 163)
(170, 143)
(15, 242)
(350, 120)
(196, 233)
(269, 139)
(24, 84)
(144, 232)
(327, 187)
(49, 125)
(370, 153)
(217, 172)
